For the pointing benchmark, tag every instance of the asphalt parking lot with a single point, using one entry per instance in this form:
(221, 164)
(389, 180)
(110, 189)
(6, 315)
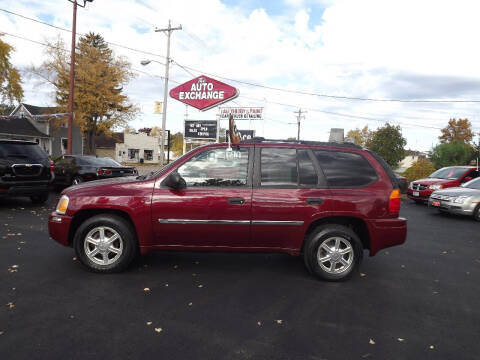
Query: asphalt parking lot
(420, 300)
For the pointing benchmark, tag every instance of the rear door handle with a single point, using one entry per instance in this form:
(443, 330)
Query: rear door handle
(236, 201)
(314, 201)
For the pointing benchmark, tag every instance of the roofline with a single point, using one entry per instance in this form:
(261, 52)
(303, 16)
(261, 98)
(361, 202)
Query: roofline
(32, 136)
(300, 142)
(13, 141)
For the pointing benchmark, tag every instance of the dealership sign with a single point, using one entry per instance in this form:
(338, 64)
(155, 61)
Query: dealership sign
(245, 134)
(201, 129)
(203, 93)
(241, 113)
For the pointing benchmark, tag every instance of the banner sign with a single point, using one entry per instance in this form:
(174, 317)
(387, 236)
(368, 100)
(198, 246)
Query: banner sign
(201, 129)
(203, 93)
(242, 113)
(245, 134)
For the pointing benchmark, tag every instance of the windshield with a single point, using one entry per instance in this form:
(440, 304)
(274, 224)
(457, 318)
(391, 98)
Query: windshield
(473, 184)
(450, 173)
(22, 151)
(98, 161)
(166, 167)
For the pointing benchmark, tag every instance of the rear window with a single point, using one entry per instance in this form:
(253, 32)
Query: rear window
(98, 162)
(450, 173)
(345, 169)
(279, 167)
(21, 151)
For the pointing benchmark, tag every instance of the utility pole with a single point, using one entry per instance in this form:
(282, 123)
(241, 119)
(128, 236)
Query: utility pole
(72, 75)
(299, 117)
(168, 31)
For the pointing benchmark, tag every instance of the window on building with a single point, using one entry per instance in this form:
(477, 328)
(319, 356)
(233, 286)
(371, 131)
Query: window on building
(148, 154)
(133, 154)
(64, 145)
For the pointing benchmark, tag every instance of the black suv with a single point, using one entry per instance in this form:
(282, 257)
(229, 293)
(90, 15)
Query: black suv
(25, 170)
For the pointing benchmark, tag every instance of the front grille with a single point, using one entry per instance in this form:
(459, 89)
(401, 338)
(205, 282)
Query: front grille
(442, 197)
(27, 169)
(419, 186)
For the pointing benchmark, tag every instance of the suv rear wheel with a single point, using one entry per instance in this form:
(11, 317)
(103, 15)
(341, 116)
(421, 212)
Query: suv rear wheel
(333, 252)
(105, 243)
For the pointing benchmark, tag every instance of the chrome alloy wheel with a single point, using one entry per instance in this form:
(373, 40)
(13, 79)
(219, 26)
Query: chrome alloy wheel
(335, 255)
(103, 245)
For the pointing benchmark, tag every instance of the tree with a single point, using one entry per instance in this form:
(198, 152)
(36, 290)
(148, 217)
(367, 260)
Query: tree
(145, 130)
(176, 143)
(419, 169)
(389, 143)
(457, 130)
(454, 153)
(360, 137)
(10, 80)
(100, 106)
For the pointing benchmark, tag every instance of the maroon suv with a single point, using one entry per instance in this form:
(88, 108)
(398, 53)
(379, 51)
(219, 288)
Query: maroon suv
(452, 176)
(325, 201)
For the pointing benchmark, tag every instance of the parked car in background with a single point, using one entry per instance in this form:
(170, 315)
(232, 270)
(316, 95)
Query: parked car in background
(325, 201)
(74, 169)
(447, 177)
(462, 200)
(402, 183)
(25, 170)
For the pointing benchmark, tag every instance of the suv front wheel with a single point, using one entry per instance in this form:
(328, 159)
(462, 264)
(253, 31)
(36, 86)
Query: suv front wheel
(333, 252)
(105, 243)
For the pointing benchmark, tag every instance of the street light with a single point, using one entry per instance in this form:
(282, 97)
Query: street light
(72, 75)
(164, 112)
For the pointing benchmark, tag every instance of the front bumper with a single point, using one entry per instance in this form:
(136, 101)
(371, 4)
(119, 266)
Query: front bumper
(467, 208)
(23, 189)
(422, 195)
(386, 233)
(58, 227)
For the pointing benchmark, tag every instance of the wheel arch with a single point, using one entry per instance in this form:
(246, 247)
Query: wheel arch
(358, 225)
(84, 214)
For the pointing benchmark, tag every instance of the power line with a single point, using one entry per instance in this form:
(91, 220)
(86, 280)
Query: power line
(68, 30)
(338, 97)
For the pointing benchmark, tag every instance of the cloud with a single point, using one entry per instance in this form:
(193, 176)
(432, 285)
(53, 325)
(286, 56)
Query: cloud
(371, 48)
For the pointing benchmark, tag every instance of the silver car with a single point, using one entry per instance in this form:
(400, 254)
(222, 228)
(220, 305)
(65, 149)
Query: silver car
(462, 200)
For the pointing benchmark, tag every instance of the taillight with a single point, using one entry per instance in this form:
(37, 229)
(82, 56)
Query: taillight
(51, 167)
(394, 202)
(104, 172)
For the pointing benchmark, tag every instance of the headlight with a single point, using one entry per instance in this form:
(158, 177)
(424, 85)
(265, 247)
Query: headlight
(435, 187)
(62, 205)
(460, 199)
(410, 186)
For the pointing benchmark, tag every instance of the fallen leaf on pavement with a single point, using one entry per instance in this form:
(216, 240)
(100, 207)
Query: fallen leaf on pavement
(175, 267)
(166, 285)
(401, 340)
(362, 274)
(74, 258)
(146, 289)
(279, 321)
(149, 323)
(190, 304)
(158, 330)
(10, 305)
(200, 286)
(371, 342)
(259, 323)
(431, 347)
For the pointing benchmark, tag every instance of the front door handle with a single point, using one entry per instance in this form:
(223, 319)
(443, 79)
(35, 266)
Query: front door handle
(236, 201)
(314, 201)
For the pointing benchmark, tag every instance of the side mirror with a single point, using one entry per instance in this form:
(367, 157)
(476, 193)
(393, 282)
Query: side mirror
(174, 181)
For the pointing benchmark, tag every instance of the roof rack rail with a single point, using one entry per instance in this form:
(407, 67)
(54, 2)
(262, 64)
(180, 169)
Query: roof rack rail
(301, 142)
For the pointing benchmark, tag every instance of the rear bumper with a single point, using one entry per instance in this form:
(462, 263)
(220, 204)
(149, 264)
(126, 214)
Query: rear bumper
(23, 189)
(386, 233)
(58, 227)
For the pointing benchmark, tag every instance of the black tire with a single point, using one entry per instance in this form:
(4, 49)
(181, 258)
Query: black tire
(128, 240)
(476, 213)
(77, 180)
(39, 199)
(324, 235)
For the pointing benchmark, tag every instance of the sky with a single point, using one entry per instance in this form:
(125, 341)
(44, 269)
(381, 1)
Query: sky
(406, 50)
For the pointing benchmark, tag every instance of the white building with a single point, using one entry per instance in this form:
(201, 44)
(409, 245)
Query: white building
(138, 148)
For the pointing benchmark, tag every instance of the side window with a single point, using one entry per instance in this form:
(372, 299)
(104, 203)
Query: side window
(216, 167)
(306, 171)
(473, 174)
(278, 167)
(345, 169)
